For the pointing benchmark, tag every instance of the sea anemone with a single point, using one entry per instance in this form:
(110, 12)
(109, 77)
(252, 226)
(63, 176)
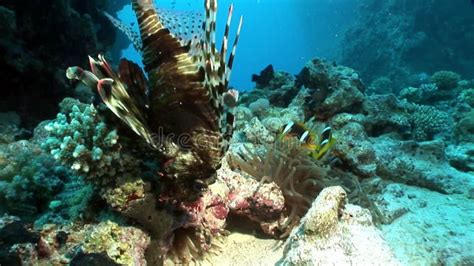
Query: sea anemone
(300, 177)
(191, 245)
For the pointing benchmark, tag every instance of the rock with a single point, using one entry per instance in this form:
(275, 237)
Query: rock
(278, 87)
(256, 132)
(7, 16)
(92, 259)
(386, 114)
(407, 42)
(461, 156)
(259, 106)
(333, 88)
(355, 150)
(422, 164)
(36, 75)
(336, 233)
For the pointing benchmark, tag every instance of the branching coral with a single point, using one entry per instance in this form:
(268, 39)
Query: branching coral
(80, 139)
(29, 178)
(299, 177)
(428, 121)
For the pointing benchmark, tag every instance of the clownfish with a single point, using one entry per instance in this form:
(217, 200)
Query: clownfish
(317, 145)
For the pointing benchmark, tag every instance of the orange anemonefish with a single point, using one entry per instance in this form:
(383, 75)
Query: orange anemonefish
(316, 145)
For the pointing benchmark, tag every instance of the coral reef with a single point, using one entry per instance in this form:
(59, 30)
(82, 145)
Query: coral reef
(29, 178)
(428, 121)
(80, 139)
(333, 88)
(35, 53)
(113, 183)
(333, 232)
(10, 127)
(124, 245)
(445, 80)
(417, 37)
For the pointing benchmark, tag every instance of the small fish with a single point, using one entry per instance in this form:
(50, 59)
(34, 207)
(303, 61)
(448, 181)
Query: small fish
(231, 97)
(316, 145)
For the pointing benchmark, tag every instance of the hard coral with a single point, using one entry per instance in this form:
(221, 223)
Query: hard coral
(446, 80)
(81, 140)
(29, 178)
(464, 129)
(124, 245)
(428, 121)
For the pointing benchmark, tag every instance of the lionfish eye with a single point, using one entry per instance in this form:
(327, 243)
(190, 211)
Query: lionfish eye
(199, 185)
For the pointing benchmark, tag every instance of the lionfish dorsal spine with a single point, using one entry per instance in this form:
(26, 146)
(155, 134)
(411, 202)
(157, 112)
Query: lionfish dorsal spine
(232, 54)
(159, 45)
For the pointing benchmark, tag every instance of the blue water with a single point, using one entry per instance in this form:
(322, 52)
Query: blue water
(284, 33)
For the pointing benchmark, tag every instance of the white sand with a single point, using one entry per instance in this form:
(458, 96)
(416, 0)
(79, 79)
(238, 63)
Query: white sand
(436, 229)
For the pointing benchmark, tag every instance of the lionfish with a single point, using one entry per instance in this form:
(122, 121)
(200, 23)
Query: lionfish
(184, 108)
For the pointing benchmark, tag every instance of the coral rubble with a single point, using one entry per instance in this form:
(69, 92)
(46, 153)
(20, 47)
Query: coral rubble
(333, 232)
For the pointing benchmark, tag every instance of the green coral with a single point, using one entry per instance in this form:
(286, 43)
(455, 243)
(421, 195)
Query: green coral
(125, 191)
(464, 130)
(446, 80)
(70, 204)
(428, 121)
(29, 178)
(81, 140)
(124, 245)
(467, 96)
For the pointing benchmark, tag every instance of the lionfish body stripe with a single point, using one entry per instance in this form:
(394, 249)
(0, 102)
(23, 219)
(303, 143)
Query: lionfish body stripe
(186, 91)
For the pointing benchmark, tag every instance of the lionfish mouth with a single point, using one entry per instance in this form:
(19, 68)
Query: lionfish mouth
(186, 92)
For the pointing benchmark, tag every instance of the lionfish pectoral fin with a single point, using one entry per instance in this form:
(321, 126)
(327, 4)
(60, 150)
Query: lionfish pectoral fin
(128, 31)
(124, 107)
(86, 77)
(132, 75)
(113, 92)
(104, 88)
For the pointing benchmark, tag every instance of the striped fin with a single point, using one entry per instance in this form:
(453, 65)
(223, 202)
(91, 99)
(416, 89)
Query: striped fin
(186, 26)
(127, 30)
(132, 75)
(160, 46)
(225, 40)
(232, 55)
(116, 97)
